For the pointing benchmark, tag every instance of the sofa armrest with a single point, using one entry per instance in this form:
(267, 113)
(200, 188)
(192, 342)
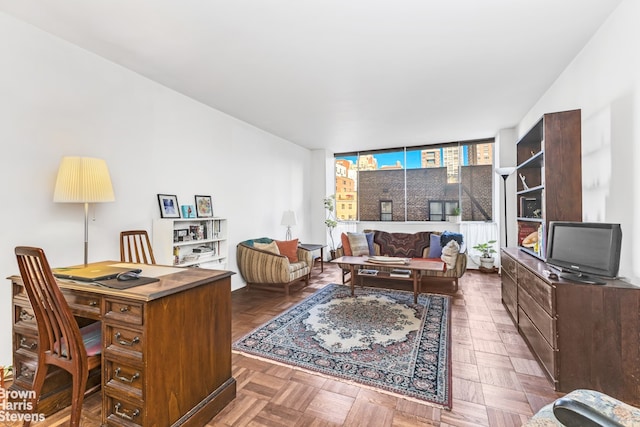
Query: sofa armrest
(259, 266)
(571, 412)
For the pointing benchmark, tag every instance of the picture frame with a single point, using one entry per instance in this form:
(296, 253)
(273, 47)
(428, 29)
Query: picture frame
(204, 206)
(169, 207)
(188, 211)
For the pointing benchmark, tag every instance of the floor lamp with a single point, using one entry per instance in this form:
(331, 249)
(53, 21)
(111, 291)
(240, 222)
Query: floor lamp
(83, 180)
(504, 173)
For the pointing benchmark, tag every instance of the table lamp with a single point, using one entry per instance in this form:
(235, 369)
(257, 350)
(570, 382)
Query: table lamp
(83, 180)
(289, 220)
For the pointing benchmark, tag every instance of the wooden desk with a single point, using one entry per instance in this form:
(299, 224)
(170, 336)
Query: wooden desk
(416, 267)
(166, 358)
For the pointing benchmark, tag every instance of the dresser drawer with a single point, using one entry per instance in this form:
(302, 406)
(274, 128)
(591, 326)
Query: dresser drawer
(541, 348)
(509, 296)
(540, 318)
(124, 378)
(123, 311)
(121, 412)
(539, 290)
(508, 265)
(123, 341)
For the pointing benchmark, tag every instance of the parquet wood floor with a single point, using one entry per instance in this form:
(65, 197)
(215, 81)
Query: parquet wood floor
(496, 381)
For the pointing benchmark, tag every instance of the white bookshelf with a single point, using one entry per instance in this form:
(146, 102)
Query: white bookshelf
(191, 242)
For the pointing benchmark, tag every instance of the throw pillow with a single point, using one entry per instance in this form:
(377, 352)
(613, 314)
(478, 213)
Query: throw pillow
(269, 247)
(358, 244)
(435, 250)
(372, 249)
(447, 236)
(346, 247)
(450, 253)
(289, 248)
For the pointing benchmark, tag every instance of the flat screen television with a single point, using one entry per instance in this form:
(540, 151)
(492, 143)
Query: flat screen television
(585, 251)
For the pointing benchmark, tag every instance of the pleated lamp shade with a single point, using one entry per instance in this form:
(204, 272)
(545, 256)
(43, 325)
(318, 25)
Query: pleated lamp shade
(83, 180)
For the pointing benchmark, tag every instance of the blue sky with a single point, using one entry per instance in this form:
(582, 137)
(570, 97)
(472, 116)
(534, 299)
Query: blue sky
(390, 159)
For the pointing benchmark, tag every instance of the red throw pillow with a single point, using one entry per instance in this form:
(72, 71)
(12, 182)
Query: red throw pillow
(346, 246)
(288, 248)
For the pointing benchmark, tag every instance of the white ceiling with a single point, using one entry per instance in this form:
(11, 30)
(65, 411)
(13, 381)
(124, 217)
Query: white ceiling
(340, 74)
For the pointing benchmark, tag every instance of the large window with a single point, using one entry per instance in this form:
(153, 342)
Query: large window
(425, 183)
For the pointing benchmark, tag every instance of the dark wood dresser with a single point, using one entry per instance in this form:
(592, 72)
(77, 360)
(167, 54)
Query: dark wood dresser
(583, 335)
(166, 358)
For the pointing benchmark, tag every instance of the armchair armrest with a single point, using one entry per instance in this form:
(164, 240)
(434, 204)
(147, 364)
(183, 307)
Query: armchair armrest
(573, 413)
(306, 256)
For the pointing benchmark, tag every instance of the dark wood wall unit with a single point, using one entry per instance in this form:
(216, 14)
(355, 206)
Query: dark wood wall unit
(584, 336)
(549, 159)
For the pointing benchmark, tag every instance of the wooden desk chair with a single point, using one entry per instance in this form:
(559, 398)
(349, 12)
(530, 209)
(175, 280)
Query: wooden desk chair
(135, 247)
(60, 341)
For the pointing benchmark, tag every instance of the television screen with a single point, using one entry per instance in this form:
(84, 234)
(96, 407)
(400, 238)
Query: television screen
(585, 248)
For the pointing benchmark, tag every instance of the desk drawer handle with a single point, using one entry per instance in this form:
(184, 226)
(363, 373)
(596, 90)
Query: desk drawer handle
(27, 373)
(25, 316)
(125, 379)
(134, 341)
(124, 309)
(123, 414)
(23, 344)
(93, 303)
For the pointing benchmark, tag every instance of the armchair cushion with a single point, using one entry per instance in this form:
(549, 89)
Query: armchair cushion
(288, 248)
(269, 247)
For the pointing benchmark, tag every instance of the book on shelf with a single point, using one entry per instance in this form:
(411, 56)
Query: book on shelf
(367, 272)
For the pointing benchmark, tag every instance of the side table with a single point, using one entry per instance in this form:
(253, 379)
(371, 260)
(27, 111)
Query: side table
(312, 247)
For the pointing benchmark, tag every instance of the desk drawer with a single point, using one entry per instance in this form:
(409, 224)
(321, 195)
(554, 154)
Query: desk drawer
(25, 342)
(123, 412)
(123, 311)
(124, 378)
(23, 315)
(127, 342)
(83, 305)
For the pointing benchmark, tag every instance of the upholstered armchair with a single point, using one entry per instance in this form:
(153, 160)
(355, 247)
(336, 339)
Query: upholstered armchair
(586, 408)
(262, 265)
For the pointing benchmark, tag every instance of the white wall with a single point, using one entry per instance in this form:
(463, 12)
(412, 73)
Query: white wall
(57, 99)
(604, 81)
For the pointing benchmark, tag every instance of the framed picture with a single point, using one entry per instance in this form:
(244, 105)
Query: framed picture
(168, 206)
(204, 208)
(188, 211)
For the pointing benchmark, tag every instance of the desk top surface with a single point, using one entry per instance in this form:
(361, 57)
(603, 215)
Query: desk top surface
(171, 280)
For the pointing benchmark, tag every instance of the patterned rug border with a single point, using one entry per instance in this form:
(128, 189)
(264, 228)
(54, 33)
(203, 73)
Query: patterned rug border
(446, 404)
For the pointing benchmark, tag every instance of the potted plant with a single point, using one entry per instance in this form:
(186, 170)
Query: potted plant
(486, 254)
(331, 222)
(455, 215)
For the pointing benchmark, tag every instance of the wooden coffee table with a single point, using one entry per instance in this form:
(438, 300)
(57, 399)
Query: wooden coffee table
(416, 266)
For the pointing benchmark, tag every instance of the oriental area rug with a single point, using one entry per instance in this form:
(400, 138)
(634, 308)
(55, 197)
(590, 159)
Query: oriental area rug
(379, 339)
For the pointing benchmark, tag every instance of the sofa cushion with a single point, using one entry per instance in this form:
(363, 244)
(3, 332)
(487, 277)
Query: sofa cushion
(372, 249)
(288, 248)
(346, 248)
(435, 249)
(406, 245)
(269, 247)
(358, 244)
(450, 253)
